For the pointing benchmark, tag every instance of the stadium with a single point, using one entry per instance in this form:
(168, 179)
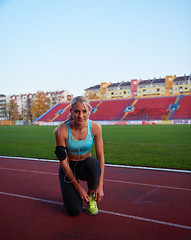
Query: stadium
(147, 167)
(157, 101)
(146, 180)
(146, 138)
(155, 110)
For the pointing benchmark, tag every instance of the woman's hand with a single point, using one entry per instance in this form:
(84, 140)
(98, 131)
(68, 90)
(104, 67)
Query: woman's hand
(99, 193)
(83, 194)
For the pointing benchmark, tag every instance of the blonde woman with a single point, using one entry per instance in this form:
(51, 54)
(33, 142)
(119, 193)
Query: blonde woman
(74, 139)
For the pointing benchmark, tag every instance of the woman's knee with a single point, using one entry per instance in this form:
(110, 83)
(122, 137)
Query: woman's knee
(73, 211)
(93, 165)
(93, 173)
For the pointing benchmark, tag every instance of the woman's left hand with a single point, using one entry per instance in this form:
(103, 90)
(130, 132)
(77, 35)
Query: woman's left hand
(99, 193)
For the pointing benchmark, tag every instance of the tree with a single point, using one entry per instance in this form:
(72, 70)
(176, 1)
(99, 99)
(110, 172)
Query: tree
(28, 110)
(92, 95)
(14, 115)
(11, 110)
(40, 105)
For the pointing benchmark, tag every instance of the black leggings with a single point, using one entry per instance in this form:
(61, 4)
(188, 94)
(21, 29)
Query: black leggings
(87, 170)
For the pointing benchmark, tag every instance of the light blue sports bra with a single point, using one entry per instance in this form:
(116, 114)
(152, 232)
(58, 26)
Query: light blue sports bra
(79, 147)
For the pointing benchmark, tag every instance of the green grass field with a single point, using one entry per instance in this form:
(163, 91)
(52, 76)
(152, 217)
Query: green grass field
(167, 146)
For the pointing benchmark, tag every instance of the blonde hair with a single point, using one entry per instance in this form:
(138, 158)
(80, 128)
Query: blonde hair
(81, 99)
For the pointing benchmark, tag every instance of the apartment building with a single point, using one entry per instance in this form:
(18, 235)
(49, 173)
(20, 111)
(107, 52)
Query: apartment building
(167, 86)
(2, 107)
(24, 101)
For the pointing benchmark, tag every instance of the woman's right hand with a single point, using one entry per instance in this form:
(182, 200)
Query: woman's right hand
(83, 194)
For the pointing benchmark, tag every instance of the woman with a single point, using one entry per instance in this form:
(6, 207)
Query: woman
(74, 139)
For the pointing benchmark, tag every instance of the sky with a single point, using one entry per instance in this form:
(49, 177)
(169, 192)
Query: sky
(75, 44)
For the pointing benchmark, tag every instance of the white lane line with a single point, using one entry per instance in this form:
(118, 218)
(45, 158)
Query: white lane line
(147, 220)
(29, 171)
(31, 198)
(107, 180)
(146, 184)
(107, 165)
(104, 211)
(30, 159)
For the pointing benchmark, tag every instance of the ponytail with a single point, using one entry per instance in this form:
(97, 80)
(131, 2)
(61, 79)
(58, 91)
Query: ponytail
(69, 118)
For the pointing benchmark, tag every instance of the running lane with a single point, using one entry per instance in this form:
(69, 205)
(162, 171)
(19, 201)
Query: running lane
(138, 204)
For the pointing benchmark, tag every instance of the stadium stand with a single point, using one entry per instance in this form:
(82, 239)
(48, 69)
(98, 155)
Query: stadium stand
(110, 110)
(57, 113)
(184, 108)
(153, 108)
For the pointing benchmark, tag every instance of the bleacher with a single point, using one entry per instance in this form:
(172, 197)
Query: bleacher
(184, 109)
(109, 110)
(155, 108)
(57, 113)
(151, 109)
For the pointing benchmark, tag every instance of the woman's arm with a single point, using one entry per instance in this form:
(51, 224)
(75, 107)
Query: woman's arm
(97, 131)
(60, 135)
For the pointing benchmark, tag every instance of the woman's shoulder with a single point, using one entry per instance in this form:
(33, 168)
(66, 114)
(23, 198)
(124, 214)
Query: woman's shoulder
(61, 128)
(95, 127)
(95, 124)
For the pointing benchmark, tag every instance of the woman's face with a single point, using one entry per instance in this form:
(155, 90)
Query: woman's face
(80, 112)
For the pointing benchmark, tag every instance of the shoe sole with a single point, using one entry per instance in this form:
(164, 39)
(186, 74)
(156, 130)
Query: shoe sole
(91, 214)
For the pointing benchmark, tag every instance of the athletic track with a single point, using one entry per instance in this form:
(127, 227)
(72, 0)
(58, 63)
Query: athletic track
(138, 204)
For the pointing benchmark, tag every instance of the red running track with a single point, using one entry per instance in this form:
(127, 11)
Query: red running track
(138, 204)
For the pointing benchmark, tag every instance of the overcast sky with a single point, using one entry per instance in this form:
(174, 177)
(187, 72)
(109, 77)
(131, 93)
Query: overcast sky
(74, 44)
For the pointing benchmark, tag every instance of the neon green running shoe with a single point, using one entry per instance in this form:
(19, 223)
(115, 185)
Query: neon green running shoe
(92, 208)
